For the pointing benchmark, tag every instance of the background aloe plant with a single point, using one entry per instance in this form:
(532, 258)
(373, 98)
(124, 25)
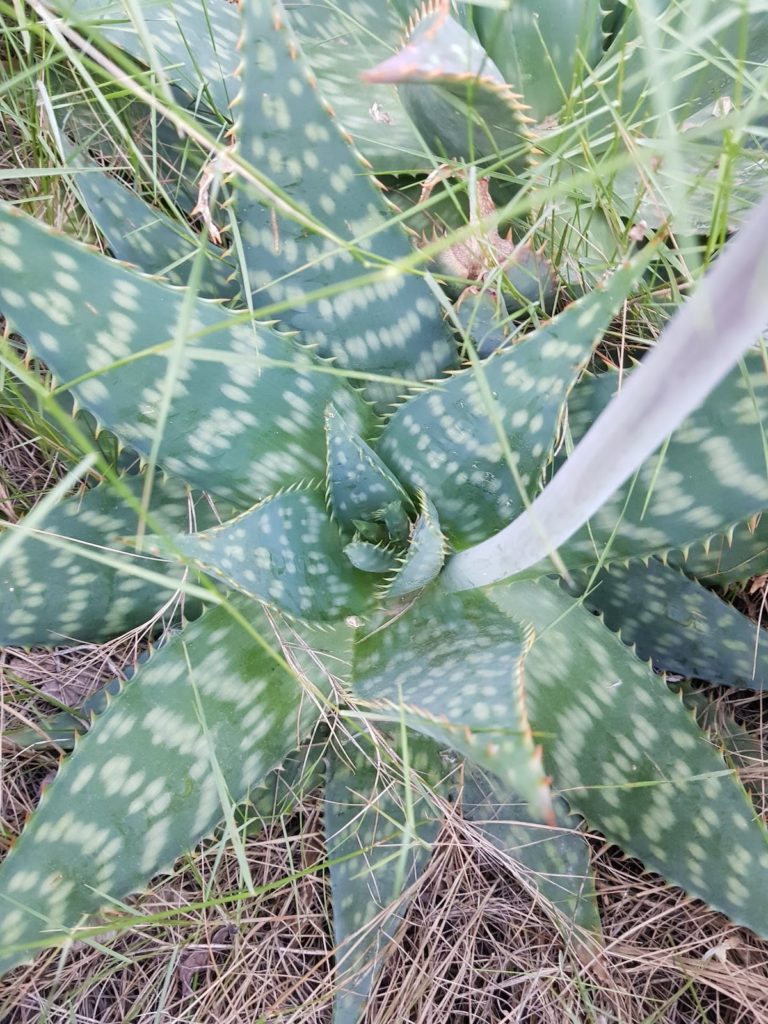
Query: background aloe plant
(312, 462)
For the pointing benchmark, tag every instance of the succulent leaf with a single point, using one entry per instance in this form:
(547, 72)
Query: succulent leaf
(285, 552)
(390, 327)
(541, 49)
(359, 484)
(58, 596)
(558, 857)
(194, 43)
(395, 520)
(629, 757)
(734, 557)
(371, 557)
(709, 334)
(709, 476)
(679, 625)
(240, 427)
(453, 667)
(142, 234)
(454, 93)
(375, 853)
(207, 717)
(425, 555)
(337, 43)
(446, 440)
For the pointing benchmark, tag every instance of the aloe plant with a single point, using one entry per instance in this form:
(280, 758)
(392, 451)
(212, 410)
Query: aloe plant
(325, 486)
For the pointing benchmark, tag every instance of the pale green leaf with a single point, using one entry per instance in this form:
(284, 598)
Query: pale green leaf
(287, 553)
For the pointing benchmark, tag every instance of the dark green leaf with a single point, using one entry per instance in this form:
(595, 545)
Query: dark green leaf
(712, 474)
(446, 440)
(204, 720)
(679, 625)
(391, 327)
(239, 426)
(338, 42)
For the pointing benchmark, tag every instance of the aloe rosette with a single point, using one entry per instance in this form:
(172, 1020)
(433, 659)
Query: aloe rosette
(316, 480)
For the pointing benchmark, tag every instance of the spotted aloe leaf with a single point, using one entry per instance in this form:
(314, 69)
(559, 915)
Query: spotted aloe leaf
(242, 423)
(338, 42)
(208, 716)
(734, 557)
(359, 485)
(542, 50)
(453, 667)
(389, 327)
(454, 93)
(709, 334)
(679, 625)
(52, 592)
(666, 506)
(140, 233)
(192, 44)
(630, 758)
(557, 857)
(285, 552)
(425, 555)
(378, 840)
(456, 441)
(371, 557)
